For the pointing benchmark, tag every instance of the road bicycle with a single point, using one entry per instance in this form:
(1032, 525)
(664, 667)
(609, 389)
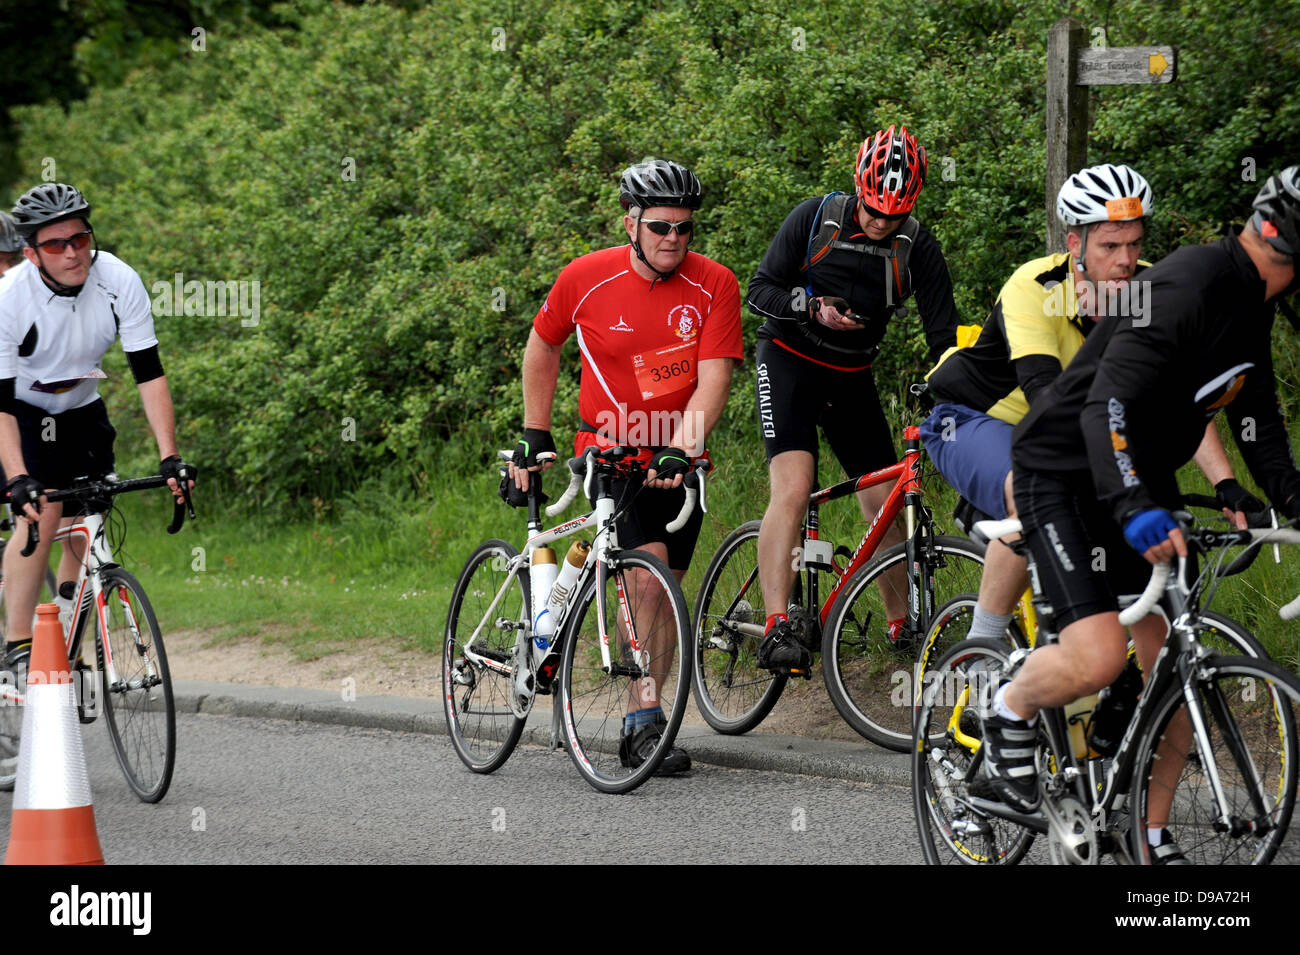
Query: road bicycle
(130, 662)
(621, 637)
(1210, 747)
(867, 676)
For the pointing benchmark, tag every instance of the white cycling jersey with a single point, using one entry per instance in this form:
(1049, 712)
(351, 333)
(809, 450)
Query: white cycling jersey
(52, 344)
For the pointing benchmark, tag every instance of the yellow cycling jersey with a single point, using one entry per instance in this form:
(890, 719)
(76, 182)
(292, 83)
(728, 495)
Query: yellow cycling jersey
(1036, 313)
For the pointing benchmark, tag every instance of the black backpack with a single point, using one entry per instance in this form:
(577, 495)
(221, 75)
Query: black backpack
(836, 209)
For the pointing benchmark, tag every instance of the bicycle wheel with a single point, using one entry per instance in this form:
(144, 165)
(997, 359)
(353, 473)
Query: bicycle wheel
(1228, 637)
(138, 702)
(1250, 736)
(732, 693)
(13, 689)
(641, 601)
(476, 696)
(945, 755)
(869, 679)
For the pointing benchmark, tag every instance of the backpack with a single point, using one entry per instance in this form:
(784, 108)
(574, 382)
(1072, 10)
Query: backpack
(834, 210)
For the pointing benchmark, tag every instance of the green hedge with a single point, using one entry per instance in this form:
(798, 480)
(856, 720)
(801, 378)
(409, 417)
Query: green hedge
(486, 142)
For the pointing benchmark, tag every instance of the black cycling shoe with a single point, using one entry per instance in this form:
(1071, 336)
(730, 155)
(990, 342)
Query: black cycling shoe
(15, 653)
(1167, 853)
(782, 651)
(1009, 747)
(635, 749)
(807, 629)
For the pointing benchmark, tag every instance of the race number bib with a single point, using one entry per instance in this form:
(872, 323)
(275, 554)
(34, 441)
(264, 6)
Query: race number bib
(665, 370)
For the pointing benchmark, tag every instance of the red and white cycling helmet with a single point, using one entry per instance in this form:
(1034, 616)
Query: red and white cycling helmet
(890, 172)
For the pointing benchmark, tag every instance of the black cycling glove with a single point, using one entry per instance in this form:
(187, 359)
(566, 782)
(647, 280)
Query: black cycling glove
(174, 467)
(23, 490)
(1292, 508)
(534, 442)
(1234, 497)
(669, 462)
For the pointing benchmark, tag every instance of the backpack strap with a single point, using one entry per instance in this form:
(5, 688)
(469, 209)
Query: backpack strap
(826, 226)
(824, 236)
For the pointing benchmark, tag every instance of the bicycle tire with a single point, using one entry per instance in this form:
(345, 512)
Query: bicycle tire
(950, 830)
(593, 701)
(482, 724)
(869, 679)
(13, 679)
(138, 706)
(1252, 700)
(731, 692)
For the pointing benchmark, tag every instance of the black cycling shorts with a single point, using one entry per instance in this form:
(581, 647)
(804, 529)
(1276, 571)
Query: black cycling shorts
(796, 395)
(60, 448)
(646, 515)
(1083, 561)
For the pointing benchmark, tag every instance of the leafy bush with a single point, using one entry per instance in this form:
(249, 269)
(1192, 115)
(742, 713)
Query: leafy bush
(405, 185)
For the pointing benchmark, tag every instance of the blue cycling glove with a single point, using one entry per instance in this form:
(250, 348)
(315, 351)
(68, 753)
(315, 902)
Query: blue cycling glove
(1149, 528)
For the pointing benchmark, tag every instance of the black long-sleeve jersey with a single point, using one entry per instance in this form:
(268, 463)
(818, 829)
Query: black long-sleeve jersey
(1133, 405)
(780, 285)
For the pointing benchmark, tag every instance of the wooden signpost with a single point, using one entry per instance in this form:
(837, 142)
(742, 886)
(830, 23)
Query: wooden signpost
(1073, 66)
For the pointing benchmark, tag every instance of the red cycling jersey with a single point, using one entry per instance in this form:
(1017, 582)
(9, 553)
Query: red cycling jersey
(641, 344)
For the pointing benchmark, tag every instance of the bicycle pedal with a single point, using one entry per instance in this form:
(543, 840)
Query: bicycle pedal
(805, 672)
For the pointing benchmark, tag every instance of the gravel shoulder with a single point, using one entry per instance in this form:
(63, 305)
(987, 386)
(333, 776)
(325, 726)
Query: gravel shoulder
(376, 668)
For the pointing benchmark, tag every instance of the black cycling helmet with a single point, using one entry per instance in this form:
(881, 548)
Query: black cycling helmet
(658, 182)
(46, 204)
(10, 240)
(1277, 211)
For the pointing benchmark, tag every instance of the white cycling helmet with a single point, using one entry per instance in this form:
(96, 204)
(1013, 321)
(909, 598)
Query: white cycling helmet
(1104, 193)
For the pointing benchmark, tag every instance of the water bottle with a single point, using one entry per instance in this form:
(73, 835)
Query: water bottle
(563, 585)
(67, 592)
(1115, 709)
(542, 573)
(1077, 716)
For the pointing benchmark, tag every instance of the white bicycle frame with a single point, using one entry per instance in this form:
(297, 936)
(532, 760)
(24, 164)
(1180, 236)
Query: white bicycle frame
(97, 556)
(606, 542)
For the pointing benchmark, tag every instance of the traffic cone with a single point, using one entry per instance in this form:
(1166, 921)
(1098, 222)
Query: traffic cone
(53, 820)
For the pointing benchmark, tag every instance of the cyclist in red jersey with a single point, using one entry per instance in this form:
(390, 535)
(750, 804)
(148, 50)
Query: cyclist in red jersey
(658, 328)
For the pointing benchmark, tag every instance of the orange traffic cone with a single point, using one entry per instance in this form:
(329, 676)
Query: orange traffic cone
(53, 820)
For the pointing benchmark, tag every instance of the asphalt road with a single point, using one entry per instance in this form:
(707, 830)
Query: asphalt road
(268, 791)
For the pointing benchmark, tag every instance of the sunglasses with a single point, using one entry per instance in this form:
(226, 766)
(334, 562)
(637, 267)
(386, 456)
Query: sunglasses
(75, 242)
(873, 214)
(663, 226)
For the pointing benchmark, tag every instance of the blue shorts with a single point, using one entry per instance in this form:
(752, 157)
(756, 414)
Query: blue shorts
(973, 453)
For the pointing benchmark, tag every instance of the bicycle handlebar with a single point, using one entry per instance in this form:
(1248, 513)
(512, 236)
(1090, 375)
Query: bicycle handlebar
(1214, 538)
(1150, 597)
(1254, 537)
(96, 490)
(581, 471)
